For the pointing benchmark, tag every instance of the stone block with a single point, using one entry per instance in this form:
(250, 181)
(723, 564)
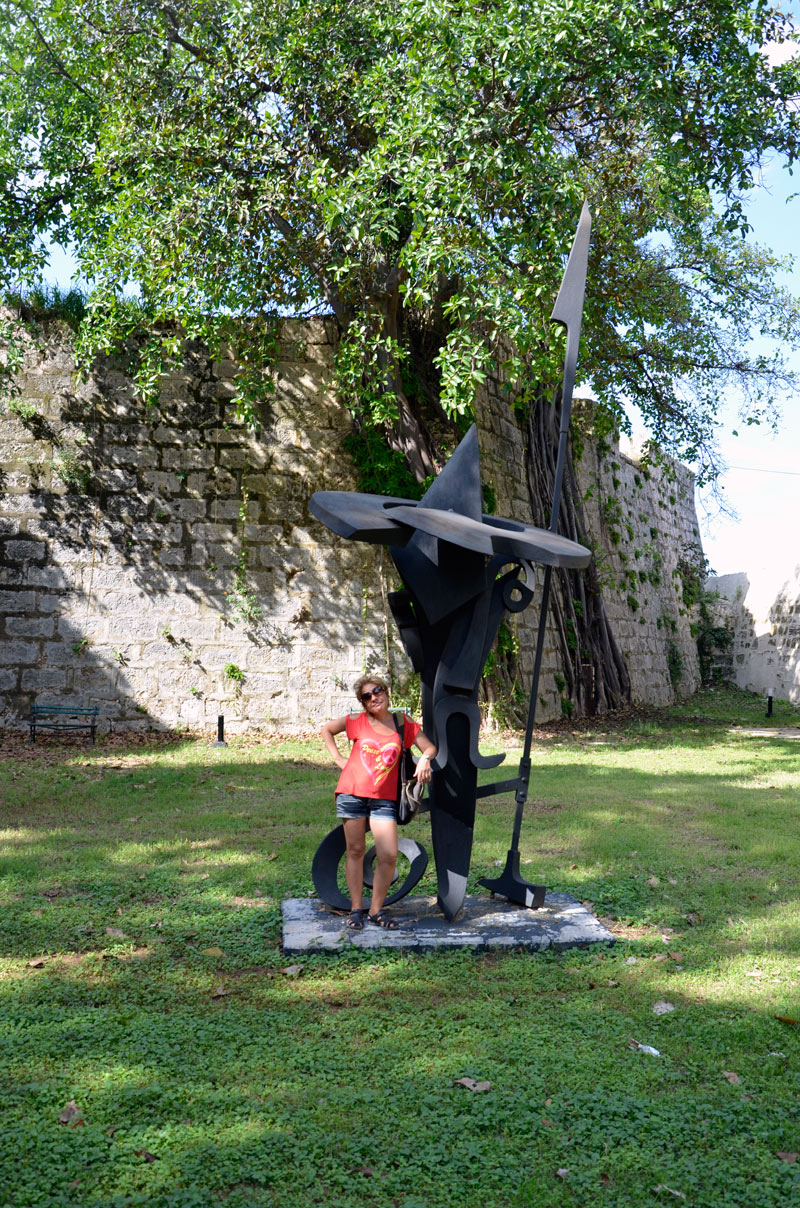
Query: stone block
(125, 455)
(164, 435)
(159, 531)
(132, 629)
(234, 459)
(200, 484)
(18, 653)
(36, 679)
(30, 627)
(223, 555)
(190, 509)
(160, 480)
(24, 551)
(225, 436)
(183, 458)
(17, 601)
(213, 532)
(8, 681)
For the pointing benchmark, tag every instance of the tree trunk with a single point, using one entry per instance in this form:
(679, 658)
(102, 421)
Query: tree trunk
(594, 668)
(410, 434)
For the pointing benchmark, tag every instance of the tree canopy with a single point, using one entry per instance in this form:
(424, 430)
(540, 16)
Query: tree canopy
(416, 169)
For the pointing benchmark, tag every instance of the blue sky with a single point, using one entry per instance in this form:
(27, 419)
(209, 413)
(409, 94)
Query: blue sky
(762, 481)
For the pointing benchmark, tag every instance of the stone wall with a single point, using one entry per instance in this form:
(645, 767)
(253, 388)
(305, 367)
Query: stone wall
(124, 531)
(765, 617)
(648, 544)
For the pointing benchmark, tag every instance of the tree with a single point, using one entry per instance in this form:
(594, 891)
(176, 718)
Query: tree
(417, 170)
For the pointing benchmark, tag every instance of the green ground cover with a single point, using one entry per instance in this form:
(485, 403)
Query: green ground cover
(144, 1000)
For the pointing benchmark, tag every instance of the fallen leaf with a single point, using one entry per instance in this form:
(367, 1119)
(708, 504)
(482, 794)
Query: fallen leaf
(273, 855)
(693, 918)
(653, 882)
(605, 1179)
(292, 970)
(36, 963)
(612, 982)
(562, 1172)
(72, 1115)
(214, 950)
(220, 992)
(663, 1008)
(790, 1019)
(573, 867)
(733, 1078)
(587, 905)
(631, 960)
(663, 1187)
(675, 956)
(367, 1170)
(788, 1157)
(672, 880)
(547, 1123)
(472, 1085)
(145, 1153)
(659, 956)
(115, 932)
(753, 973)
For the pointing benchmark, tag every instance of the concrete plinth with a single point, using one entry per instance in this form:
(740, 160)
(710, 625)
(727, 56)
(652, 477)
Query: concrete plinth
(311, 926)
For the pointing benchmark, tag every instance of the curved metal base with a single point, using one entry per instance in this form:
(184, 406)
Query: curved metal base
(327, 857)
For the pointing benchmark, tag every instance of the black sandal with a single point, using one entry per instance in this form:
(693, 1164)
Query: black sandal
(382, 919)
(356, 920)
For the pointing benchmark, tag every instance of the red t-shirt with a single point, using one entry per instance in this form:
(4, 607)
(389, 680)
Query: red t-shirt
(371, 768)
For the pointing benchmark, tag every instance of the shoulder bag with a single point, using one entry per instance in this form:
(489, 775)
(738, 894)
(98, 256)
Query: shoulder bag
(409, 790)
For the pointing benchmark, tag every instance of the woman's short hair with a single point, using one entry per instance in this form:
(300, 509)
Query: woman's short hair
(377, 680)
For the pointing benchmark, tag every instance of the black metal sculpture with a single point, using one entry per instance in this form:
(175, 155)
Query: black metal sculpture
(461, 570)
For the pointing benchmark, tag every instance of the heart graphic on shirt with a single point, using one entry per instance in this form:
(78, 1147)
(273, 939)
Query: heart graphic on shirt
(378, 760)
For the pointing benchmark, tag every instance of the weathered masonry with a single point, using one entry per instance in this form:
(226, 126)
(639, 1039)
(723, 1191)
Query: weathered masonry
(162, 563)
(764, 618)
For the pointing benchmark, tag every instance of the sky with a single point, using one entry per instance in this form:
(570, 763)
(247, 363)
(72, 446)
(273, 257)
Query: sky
(762, 480)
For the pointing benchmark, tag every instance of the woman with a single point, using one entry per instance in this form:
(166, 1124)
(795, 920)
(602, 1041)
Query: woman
(367, 791)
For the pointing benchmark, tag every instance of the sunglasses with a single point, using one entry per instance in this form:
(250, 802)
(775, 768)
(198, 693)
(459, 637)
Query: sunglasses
(367, 696)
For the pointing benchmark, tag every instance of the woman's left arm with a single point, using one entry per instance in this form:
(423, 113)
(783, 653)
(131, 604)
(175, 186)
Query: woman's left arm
(427, 753)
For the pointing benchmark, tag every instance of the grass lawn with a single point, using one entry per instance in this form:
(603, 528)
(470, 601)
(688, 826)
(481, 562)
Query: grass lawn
(155, 1053)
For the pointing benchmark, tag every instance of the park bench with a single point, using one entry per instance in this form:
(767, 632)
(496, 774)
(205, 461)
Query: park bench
(63, 717)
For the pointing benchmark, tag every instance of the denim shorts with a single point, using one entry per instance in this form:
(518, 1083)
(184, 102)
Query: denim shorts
(348, 806)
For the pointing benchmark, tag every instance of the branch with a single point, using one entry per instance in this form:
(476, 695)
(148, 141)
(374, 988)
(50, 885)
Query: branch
(59, 65)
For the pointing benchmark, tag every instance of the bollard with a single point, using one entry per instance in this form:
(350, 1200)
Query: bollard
(220, 732)
(769, 706)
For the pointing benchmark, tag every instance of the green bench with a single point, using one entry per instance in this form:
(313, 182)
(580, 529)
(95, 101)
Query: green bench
(63, 717)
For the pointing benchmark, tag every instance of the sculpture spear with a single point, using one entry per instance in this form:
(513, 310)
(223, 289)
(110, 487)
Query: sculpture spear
(568, 311)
